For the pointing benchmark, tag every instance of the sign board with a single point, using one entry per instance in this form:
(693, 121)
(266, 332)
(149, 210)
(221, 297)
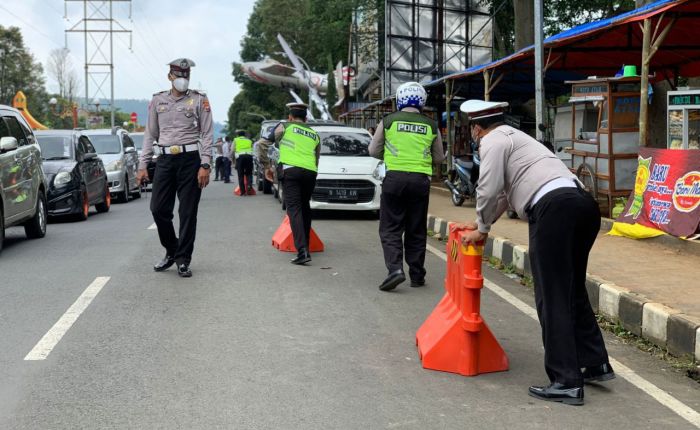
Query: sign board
(666, 193)
(134, 117)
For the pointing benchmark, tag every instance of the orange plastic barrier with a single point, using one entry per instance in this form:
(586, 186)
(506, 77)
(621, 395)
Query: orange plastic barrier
(251, 190)
(283, 240)
(455, 338)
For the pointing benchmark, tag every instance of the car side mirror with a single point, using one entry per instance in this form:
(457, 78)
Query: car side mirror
(89, 156)
(8, 143)
(129, 149)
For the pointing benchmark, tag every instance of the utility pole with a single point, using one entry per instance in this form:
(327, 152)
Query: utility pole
(539, 68)
(98, 27)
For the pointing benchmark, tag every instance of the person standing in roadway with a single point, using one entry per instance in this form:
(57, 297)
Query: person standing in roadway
(410, 144)
(180, 120)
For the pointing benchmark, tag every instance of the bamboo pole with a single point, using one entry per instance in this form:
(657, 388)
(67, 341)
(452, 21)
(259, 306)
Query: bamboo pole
(449, 87)
(644, 96)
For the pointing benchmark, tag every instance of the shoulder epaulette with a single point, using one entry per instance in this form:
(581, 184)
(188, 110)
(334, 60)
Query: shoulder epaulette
(201, 93)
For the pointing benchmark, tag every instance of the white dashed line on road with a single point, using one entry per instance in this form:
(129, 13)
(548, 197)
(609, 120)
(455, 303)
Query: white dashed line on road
(47, 343)
(661, 396)
(152, 227)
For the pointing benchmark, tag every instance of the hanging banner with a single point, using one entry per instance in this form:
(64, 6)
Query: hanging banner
(666, 193)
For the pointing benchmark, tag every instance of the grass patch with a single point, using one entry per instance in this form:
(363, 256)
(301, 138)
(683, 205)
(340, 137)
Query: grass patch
(685, 365)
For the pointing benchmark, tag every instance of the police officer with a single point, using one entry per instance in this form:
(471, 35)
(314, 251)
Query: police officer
(180, 121)
(299, 152)
(243, 151)
(409, 143)
(564, 221)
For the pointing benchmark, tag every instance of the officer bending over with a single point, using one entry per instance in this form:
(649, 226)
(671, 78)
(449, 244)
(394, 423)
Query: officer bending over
(243, 152)
(299, 152)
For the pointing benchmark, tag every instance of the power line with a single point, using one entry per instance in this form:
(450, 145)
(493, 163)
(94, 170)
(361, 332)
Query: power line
(31, 26)
(155, 33)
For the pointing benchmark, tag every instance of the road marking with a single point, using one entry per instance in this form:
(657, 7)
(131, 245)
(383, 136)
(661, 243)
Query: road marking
(47, 343)
(661, 396)
(152, 227)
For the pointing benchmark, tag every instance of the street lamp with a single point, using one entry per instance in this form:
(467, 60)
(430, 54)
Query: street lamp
(256, 114)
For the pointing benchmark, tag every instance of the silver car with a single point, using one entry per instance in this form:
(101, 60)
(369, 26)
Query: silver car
(22, 182)
(121, 160)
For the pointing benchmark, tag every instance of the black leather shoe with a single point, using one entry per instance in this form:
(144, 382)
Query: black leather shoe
(556, 392)
(417, 283)
(303, 257)
(184, 270)
(391, 281)
(164, 264)
(601, 373)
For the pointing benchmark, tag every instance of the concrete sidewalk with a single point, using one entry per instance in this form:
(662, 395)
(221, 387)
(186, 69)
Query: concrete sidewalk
(651, 287)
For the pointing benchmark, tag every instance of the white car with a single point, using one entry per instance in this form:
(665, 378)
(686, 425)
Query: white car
(348, 178)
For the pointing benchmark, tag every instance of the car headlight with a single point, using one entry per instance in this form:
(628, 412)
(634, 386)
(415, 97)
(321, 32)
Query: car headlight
(115, 166)
(62, 178)
(379, 171)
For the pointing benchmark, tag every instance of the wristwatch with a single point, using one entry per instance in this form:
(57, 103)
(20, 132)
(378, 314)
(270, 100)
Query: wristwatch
(205, 166)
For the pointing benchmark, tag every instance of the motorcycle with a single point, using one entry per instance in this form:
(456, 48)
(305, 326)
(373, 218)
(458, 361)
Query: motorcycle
(463, 178)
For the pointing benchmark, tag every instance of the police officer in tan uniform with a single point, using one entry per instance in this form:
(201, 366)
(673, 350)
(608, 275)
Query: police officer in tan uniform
(180, 121)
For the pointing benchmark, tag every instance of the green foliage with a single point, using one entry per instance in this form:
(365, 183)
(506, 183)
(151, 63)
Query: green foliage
(560, 15)
(20, 71)
(316, 30)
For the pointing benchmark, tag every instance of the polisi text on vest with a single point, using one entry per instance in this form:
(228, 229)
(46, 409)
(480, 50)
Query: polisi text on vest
(304, 133)
(412, 128)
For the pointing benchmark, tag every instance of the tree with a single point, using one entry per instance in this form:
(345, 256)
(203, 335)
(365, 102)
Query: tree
(525, 24)
(315, 30)
(559, 15)
(20, 71)
(60, 67)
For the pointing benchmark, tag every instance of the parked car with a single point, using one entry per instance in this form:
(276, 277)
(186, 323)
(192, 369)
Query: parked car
(121, 160)
(75, 175)
(22, 182)
(348, 178)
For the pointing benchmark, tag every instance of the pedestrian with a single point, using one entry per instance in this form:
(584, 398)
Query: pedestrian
(226, 159)
(564, 221)
(372, 130)
(218, 158)
(299, 152)
(180, 120)
(410, 144)
(243, 152)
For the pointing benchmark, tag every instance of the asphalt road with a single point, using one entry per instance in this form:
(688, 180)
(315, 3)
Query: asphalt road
(252, 342)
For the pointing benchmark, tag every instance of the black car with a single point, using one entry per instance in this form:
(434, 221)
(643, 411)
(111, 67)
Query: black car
(75, 175)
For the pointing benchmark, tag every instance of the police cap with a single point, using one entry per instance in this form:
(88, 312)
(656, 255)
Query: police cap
(479, 109)
(181, 64)
(298, 110)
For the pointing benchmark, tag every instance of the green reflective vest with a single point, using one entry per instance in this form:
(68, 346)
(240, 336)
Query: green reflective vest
(298, 146)
(408, 138)
(243, 145)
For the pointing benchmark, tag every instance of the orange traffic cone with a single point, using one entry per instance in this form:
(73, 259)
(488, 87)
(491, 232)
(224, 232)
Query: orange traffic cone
(283, 240)
(455, 338)
(251, 190)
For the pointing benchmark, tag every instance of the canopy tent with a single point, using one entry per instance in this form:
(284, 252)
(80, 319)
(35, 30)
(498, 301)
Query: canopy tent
(599, 48)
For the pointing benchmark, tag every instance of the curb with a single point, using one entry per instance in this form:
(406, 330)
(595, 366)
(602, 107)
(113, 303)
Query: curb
(664, 326)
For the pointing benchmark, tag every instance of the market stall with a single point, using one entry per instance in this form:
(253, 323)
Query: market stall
(604, 149)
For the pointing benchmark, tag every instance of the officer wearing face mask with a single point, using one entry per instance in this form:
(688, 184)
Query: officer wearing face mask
(180, 121)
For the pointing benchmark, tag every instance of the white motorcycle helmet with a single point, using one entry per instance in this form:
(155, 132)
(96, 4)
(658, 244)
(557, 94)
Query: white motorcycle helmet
(411, 94)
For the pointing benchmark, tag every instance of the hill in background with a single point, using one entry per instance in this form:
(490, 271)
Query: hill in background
(141, 109)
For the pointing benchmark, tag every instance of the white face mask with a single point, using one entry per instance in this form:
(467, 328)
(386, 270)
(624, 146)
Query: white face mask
(181, 84)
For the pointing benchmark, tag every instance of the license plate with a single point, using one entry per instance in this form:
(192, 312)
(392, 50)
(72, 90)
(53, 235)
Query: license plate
(345, 195)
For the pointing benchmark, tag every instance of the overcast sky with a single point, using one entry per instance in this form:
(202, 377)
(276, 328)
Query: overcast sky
(207, 31)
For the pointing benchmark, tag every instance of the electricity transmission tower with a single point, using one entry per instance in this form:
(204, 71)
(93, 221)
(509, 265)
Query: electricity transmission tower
(98, 26)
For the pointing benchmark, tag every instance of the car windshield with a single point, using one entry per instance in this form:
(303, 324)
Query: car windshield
(344, 143)
(138, 141)
(106, 143)
(56, 147)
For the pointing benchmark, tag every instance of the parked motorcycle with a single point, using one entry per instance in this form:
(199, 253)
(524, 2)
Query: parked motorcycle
(463, 177)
